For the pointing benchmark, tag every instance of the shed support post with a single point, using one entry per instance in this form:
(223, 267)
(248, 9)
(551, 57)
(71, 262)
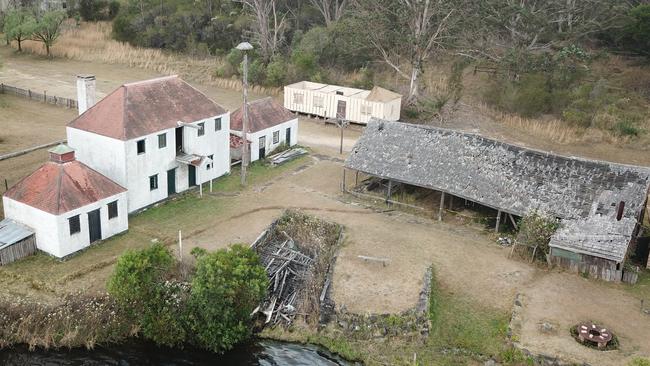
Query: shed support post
(496, 227)
(356, 179)
(389, 193)
(343, 183)
(442, 205)
(514, 223)
(451, 203)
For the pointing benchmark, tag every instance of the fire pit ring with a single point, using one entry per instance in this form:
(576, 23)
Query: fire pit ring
(593, 333)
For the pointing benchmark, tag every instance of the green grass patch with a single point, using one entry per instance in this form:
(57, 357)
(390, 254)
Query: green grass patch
(637, 361)
(641, 289)
(460, 323)
(258, 172)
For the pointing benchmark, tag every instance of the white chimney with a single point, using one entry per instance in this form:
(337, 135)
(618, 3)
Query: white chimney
(85, 92)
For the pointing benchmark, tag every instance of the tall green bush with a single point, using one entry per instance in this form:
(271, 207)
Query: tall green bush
(226, 288)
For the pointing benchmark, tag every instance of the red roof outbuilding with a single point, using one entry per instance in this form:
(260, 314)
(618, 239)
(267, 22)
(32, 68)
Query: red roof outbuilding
(137, 109)
(62, 185)
(262, 114)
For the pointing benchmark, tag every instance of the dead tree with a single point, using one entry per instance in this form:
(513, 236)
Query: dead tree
(269, 26)
(332, 10)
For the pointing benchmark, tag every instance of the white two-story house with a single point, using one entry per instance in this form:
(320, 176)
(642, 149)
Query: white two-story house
(155, 137)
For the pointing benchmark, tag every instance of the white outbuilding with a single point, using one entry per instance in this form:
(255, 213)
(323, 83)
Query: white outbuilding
(67, 204)
(339, 102)
(269, 126)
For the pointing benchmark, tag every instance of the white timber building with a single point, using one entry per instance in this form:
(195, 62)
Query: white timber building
(339, 102)
(269, 126)
(67, 204)
(155, 138)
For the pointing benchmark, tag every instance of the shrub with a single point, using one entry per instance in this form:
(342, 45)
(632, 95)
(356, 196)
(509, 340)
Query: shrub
(535, 231)
(276, 71)
(636, 34)
(139, 284)
(627, 128)
(227, 286)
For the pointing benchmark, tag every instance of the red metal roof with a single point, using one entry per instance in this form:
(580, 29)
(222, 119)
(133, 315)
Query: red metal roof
(61, 187)
(262, 114)
(142, 108)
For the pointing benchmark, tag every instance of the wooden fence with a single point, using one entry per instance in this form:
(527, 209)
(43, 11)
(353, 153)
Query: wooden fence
(41, 97)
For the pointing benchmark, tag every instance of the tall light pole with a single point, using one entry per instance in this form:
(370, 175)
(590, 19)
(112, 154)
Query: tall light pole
(245, 47)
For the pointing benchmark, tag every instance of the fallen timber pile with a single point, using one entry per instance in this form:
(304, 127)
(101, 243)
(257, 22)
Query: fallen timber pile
(297, 252)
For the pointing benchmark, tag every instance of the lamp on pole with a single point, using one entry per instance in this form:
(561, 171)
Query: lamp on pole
(245, 47)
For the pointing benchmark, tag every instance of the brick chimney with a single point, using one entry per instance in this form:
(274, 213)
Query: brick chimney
(85, 92)
(61, 154)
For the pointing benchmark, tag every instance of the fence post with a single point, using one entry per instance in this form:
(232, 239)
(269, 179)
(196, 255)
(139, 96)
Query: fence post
(44, 96)
(29, 93)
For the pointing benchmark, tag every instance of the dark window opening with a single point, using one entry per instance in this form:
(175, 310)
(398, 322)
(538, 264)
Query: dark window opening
(217, 124)
(112, 210)
(276, 137)
(74, 224)
(621, 209)
(153, 182)
(201, 128)
(162, 140)
(339, 93)
(141, 148)
(209, 166)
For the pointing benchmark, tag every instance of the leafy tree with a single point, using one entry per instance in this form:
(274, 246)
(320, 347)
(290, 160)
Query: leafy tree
(140, 284)
(48, 28)
(19, 25)
(535, 231)
(636, 35)
(226, 288)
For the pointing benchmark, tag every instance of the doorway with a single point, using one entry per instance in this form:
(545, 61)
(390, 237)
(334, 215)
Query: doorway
(262, 147)
(179, 139)
(341, 109)
(192, 175)
(171, 182)
(94, 226)
(287, 137)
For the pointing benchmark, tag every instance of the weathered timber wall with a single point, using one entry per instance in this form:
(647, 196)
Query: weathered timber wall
(18, 250)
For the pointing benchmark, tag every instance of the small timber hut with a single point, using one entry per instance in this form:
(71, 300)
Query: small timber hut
(16, 241)
(600, 204)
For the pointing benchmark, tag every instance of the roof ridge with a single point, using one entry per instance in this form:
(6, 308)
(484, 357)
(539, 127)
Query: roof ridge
(124, 99)
(202, 93)
(149, 81)
(58, 188)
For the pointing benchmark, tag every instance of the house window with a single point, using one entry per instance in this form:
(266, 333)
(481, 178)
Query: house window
(74, 224)
(209, 166)
(217, 124)
(339, 93)
(201, 128)
(162, 140)
(112, 210)
(153, 182)
(141, 147)
(318, 102)
(276, 137)
(298, 98)
(366, 109)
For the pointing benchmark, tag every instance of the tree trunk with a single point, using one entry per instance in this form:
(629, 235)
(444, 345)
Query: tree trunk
(414, 91)
(47, 49)
(20, 47)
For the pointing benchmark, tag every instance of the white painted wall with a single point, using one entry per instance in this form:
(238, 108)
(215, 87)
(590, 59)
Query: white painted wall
(120, 161)
(104, 154)
(270, 146)
(53, 232)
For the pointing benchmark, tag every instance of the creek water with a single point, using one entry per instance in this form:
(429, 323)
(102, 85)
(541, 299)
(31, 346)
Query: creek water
(137, 353)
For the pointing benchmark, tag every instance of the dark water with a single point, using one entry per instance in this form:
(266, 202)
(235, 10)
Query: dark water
(134, 353)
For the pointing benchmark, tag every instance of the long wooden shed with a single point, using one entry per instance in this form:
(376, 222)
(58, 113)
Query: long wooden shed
(16, 241)
(339, 102)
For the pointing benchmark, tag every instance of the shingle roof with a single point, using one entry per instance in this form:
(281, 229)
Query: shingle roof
(262, 114)
(506, 177)
(61, 187)
(138, 109)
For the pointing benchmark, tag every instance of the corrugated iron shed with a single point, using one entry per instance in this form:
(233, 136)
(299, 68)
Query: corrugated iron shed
(142, 108)
(12, 232)
(584, 193)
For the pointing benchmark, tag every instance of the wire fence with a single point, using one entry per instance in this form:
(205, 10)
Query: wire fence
(41, 97)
